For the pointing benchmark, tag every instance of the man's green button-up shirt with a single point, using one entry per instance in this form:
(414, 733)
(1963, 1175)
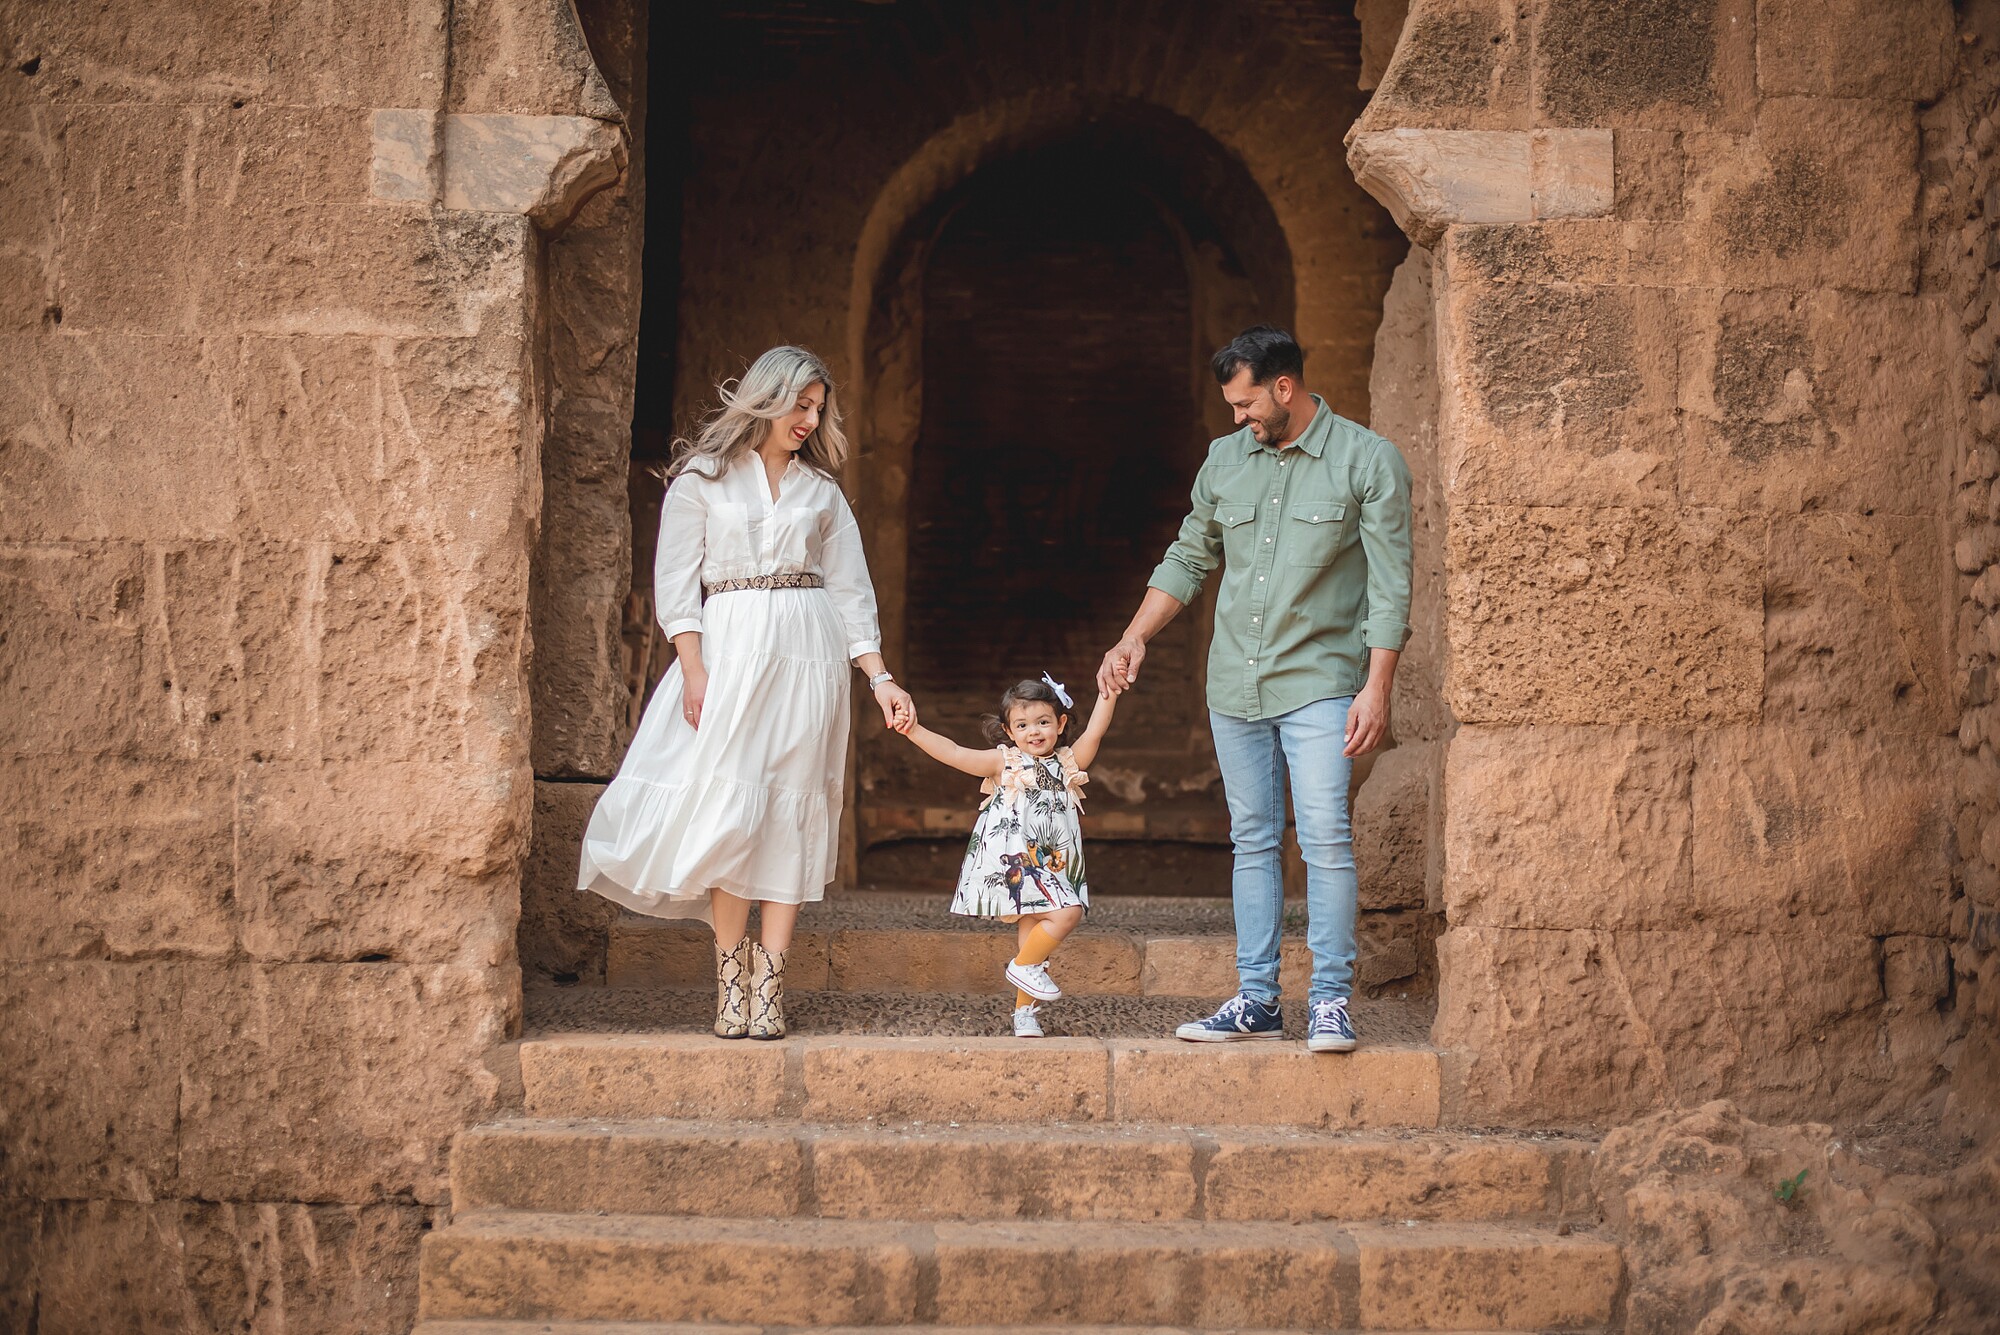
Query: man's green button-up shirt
(1314, 545)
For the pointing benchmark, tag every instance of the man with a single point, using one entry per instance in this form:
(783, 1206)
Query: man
(1308, 515)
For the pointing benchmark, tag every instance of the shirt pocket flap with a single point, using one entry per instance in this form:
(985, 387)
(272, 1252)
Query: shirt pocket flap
(1320, 512)
(1229, 516)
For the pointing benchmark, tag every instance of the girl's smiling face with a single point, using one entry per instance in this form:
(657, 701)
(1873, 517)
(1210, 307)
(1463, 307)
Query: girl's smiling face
(1035, 727)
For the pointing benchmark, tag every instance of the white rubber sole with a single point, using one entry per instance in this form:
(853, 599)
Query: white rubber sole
(1033, 989)
(1196, 1034)
(1332, 1044)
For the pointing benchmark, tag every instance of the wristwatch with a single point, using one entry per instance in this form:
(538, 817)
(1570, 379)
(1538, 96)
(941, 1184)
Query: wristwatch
(878, 679)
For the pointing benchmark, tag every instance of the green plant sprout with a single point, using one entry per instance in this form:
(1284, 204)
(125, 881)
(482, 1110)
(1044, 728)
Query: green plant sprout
(1787, 1189)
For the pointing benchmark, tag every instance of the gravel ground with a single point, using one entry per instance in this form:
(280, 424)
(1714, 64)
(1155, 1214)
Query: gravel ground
(930, 911)
(645, 1010)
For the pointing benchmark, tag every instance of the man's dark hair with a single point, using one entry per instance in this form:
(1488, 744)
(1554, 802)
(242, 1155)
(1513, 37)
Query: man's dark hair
(1267, 350)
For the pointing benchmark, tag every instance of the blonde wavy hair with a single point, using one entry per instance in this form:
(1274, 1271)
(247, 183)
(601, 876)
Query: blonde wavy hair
(764, 393)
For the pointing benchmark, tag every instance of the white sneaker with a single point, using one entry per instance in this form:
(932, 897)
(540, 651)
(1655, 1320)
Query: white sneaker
(1025, 1023)
(1034, 980)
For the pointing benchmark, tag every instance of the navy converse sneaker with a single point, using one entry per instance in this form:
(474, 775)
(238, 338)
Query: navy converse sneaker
(1330, 1030)
(1240, 1017)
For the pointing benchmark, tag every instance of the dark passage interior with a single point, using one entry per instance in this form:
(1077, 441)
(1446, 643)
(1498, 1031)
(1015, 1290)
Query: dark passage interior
(1057, 430)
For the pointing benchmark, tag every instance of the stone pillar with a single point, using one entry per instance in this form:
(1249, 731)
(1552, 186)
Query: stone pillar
(273, 411)
(1696, 835)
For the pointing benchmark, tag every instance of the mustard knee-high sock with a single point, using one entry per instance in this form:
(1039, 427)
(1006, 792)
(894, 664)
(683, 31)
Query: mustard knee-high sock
(1023, 999)
(1041, 944)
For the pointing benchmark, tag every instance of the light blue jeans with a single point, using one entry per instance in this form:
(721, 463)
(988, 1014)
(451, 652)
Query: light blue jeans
(1256, 755)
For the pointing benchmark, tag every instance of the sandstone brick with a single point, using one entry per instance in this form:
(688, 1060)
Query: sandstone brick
(382, 652)
(1592, 253)
(1559, 395)
(1823, 195)
(1659, 615)
(1854, 628)
(117, 857)
(206, 1268)
(1569, 827)
(564, 931)
(642, 1168)
(1652, 63)
(1229, 1276)
(655, 1076)
(364, 55)
(650, 952)
(1462, 64)
(348, 861)
(1815, 401)
(942, 1080)
(1170, 1081)
(948, 961)
(93, 1053)
(1851, 829)
(20, 1239)
(627, 1268)
(375, 1067)
(1361, 1178)
(997, 1174)
(1205, 966)
(1647, 174)
(528, 58)
(1459, 1278)
(1391, 827)
(1562, 1028)
(1850, 48)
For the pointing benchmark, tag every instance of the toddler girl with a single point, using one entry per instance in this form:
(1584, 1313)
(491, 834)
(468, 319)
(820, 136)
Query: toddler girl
(1024, 864)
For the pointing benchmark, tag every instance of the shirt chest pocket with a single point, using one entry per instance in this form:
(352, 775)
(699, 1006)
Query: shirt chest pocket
(1238, 526)
(1315, 532)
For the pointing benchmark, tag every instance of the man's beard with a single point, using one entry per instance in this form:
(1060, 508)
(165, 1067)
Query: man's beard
(1274, 426)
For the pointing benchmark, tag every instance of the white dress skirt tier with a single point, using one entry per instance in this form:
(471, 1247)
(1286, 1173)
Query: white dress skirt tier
(751, 801)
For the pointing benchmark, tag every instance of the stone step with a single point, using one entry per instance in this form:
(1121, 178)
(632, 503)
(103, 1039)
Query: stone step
(642, 1010)
(503, 1327)
(843, 1078)
(906, 959)
(818, 1273)
(775, 1170)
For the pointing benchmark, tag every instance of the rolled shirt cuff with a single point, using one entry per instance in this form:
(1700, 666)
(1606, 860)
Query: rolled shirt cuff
(683, 625)
(1391, 635)
(1171, 580)
(860, 647)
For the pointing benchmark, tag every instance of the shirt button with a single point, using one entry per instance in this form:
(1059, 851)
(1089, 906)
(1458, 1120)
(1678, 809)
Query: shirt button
(1256, 618)
(1267, 539)
(1252, 662)
(1260, 579)
(1274, 500)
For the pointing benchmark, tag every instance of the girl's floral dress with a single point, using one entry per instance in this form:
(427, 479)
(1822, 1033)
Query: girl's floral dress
(1026, 851)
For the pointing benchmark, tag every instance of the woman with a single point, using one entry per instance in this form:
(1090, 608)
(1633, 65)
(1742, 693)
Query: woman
(731, 792)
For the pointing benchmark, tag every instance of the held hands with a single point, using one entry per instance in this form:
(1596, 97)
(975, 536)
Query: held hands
(899, 711)
(1120, 669)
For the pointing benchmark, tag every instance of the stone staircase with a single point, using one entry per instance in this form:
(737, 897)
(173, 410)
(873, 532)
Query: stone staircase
(897, 1165)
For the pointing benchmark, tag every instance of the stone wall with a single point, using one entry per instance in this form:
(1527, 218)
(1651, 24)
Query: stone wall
(1962, 263)
(1695, 430)
(271, 412)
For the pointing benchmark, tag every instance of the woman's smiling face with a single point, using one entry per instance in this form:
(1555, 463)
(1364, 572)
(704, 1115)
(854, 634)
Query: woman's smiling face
(1034, 726)
(792, 430)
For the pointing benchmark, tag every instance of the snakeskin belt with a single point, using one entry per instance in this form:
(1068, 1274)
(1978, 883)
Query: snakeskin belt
(799, 580)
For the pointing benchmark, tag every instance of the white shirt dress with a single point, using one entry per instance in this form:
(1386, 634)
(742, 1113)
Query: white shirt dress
(751, 802)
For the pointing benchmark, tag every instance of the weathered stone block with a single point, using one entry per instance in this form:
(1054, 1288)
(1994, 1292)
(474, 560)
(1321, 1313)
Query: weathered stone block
(1854, 48)
(1569, 827)
(1460, 64)
(1587, 252)
(1003, 1175)
(1470, 1276)
(1566, 1028)
(1850, 829)
(93, 1054)
(942, 1080)
(208, 1267)
(1658, 615)
(563, 930)
(1651, 63)
(668, 1075)
(1558, 395)
(1183, 1083)
(1355, 1177)
(371, 1067)
(363, 55)
(1823, 195)
(20, 1239)
(1391, 820)
(383, 652)
(117, 857)
(1647, 174)
(368, 439)
(1854, 623)
(1814, 401)
(414, 863)
(563, 1167)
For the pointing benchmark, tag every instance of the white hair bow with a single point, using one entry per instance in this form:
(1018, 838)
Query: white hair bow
(1061, 694)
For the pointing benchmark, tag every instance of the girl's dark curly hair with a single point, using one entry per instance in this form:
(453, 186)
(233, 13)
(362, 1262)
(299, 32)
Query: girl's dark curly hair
(1021, 693)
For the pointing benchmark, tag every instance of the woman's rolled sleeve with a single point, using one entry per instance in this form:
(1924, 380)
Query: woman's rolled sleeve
(677, 562)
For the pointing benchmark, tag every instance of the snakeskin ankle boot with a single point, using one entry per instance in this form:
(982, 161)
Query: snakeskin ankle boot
(767, 992)
(732, 992)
